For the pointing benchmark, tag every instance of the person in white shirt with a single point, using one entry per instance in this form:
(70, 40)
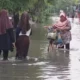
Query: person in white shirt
(23, 32)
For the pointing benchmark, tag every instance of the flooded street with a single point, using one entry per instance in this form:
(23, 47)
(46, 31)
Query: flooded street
(41, 65)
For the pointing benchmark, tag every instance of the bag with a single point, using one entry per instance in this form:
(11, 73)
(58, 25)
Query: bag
(52, 35)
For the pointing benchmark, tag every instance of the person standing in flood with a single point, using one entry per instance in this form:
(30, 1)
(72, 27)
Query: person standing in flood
(64, 27)
(6, 34)
(15, 19)
(23, 32)
(73, 15)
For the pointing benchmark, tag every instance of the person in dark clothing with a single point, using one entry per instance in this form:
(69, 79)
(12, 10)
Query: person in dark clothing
(15, 19)
(22, 37)
(6, 34)
(73, 15)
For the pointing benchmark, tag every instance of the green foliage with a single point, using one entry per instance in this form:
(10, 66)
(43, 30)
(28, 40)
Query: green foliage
(13, 5)
(65, 5)
(39, 10)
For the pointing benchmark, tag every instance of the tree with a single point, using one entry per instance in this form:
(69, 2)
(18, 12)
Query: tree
(12, 5)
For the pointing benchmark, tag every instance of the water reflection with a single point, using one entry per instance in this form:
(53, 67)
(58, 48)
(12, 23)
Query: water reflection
(58, 66)
(41, 65)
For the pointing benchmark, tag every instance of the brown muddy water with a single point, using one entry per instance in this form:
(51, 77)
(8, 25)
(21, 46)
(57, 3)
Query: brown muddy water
(41, 65)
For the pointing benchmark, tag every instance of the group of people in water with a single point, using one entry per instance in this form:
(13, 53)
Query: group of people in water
(23, 31)
(7, 39)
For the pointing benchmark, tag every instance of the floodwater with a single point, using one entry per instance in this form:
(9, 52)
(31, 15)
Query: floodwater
(41, 65)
